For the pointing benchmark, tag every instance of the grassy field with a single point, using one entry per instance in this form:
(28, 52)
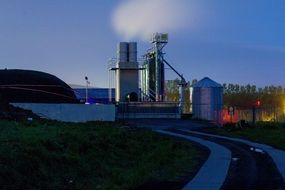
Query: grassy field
(53, 155)
(271, 133)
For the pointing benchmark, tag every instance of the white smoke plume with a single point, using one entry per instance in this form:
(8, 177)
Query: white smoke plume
(141, 18)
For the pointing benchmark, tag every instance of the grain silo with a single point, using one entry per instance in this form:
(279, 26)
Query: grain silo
(153, 69)
(207, 100)
(127, 77)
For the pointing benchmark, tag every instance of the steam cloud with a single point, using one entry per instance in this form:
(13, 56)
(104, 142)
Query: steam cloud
(141, 18)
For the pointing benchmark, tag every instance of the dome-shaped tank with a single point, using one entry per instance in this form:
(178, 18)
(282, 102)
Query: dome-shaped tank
(207, 100)
(33, 87)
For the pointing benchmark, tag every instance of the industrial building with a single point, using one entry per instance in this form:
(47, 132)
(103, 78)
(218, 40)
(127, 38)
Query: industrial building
(95, 95)
(140, 84)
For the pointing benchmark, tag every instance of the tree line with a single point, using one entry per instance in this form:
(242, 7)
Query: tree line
(242, 96)
(252, 89)
(246, 96)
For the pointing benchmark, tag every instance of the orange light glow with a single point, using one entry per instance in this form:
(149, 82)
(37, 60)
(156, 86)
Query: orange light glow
(227, 118)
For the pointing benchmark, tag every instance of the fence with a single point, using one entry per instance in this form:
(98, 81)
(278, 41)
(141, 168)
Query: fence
(265, 113)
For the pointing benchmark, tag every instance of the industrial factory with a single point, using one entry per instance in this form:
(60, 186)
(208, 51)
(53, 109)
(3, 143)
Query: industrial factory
(140, 86)
(137, 89)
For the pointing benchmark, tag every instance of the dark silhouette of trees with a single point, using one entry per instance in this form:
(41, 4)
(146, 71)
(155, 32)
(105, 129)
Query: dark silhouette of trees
(246, 96)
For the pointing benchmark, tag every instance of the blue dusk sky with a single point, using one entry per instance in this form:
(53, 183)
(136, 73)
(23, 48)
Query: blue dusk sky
(230, 41)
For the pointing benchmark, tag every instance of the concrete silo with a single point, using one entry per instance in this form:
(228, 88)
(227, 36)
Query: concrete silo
(132, 52)
(127, 86)
(207, 100)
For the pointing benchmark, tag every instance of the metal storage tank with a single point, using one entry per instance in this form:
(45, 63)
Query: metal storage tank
(150, 80)
(122, 51)
(132, 52)
(207, 100)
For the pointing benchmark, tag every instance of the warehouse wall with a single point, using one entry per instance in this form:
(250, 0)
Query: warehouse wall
(71, 112)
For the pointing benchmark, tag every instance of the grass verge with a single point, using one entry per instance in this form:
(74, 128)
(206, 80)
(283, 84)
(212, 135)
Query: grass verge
(270, 133)
(97, 155)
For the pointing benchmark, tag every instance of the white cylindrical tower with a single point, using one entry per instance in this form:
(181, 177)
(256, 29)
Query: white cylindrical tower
(127, 77)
